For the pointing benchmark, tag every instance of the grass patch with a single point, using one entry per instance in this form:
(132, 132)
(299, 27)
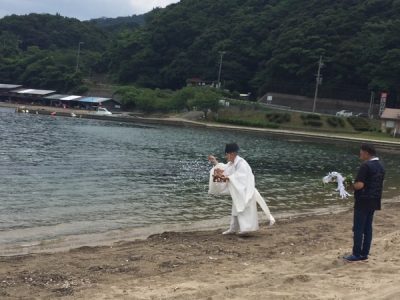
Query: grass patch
(251, 123)
(278, 118)
(313, 123)
(268, 118)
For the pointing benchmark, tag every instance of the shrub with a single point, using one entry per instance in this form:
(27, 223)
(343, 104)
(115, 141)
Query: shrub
(359, 124)
(80, 90)
(310, 117)
(149, 100)
(311, 120)
(278, 118)
(335, 122)
(374, 129)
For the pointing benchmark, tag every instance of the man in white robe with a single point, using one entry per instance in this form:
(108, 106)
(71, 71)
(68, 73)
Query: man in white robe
(236, 179)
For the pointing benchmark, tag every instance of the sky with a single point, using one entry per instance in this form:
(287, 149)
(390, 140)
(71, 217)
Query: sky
(81, 9)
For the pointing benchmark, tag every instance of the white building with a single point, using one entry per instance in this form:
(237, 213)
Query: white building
(391, 121)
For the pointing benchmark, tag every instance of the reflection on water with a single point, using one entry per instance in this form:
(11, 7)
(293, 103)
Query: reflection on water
(62, 176)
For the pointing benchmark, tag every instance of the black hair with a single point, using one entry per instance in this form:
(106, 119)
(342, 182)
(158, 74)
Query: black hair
(370, 149)
(232, 148)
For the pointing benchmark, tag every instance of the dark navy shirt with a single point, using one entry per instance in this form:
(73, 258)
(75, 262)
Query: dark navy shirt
(372, 174)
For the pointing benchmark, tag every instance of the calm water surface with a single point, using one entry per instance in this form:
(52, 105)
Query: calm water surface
(64, 176)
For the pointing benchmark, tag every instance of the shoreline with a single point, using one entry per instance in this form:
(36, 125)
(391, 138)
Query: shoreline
(108, 238)
(299, 258)
(180, 122)
(65, 243)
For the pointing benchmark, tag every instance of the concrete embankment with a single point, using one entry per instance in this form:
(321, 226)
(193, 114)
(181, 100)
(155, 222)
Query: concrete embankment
(388, 145)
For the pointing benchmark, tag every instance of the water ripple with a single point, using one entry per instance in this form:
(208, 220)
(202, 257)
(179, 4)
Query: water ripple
(70, 176)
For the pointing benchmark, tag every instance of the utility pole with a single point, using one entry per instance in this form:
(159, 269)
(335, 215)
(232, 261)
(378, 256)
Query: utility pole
(222, 53)
(318, 82)
(371, 102)
(17, 45)
(77, 57)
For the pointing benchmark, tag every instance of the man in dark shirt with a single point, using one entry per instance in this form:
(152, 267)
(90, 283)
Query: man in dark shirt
(368, 188)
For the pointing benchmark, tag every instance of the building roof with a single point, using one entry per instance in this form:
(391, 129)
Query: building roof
(56, 97)
(63, 97)
(391, 113)
(35, 92)
(4, 86)
(71, 98)
(94, 99)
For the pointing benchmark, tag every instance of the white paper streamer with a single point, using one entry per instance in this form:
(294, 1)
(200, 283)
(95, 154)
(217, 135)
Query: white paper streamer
(335, 176)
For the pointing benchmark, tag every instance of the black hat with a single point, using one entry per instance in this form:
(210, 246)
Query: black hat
(230, 148)
(370, 149)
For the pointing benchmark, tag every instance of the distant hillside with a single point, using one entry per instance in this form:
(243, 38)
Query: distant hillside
(271, 45)
(41, 51)
(268, 46)
(50, 31)
(120, 23)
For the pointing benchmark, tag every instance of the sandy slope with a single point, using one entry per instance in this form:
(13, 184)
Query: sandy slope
(296, 259)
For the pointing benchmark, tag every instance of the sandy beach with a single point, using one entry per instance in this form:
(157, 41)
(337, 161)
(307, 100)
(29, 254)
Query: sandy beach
(299, 258)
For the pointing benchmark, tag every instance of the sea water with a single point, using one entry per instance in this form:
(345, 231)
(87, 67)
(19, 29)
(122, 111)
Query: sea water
(69, 176)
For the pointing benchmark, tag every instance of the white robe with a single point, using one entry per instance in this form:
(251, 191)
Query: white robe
(241, 187)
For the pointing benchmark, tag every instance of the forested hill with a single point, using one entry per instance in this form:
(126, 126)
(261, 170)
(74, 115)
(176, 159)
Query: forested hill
(120, 23)
(40, 51)
(269, 44)
(50, 31)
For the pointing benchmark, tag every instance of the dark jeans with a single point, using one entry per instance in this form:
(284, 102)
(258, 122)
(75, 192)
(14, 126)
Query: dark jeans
(362, 228)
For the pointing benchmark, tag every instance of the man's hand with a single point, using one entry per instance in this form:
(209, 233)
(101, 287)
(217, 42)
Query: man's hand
(358, 186)
(219, 172)
(212, 159)
(219, 176)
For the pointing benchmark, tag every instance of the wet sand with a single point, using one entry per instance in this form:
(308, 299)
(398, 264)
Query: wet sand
(299, 258)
